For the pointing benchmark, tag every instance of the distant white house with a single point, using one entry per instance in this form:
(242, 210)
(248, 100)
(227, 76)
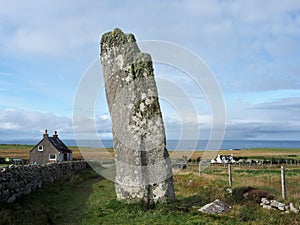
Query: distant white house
(223, 159)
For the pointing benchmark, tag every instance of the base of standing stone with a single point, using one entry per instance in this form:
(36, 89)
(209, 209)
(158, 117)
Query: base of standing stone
(159, 192)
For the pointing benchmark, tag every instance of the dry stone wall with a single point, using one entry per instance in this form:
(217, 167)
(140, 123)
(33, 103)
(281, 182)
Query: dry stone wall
(19, 180)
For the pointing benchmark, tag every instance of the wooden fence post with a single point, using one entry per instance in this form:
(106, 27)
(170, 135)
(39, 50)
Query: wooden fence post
(200, 169)
(283, 183)
(230, 175)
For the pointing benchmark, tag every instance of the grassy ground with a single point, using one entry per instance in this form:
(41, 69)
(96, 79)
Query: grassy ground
(22, 151)
(87, 198)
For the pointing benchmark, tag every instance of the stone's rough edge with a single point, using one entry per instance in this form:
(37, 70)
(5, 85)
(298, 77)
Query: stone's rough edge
(116, 38)
(112, 44)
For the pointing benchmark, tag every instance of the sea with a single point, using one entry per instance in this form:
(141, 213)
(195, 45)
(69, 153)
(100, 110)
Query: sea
(181, 144)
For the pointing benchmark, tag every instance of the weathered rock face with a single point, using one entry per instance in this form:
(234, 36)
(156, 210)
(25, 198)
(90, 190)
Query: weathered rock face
(143, 166)
(215, 207)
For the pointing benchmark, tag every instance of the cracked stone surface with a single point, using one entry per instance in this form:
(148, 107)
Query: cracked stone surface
(215, 207)
(143, 165)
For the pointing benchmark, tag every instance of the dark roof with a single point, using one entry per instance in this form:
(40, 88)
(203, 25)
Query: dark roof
(59, 145)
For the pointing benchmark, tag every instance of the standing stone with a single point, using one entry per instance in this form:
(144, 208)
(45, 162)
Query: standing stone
(143, 165)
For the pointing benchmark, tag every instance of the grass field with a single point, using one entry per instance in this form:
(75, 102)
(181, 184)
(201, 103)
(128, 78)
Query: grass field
(86, 198)
(22, 151)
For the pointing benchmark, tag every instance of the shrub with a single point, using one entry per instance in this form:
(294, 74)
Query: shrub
(257, 194)
(238, 194)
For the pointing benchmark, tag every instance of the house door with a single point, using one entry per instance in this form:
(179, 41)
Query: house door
(65, 157)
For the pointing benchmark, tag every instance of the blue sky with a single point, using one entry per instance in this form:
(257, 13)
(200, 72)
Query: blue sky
(252, 48)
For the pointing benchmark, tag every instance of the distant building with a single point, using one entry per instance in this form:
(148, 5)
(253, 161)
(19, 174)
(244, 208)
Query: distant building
(50, 149)
(224, 159)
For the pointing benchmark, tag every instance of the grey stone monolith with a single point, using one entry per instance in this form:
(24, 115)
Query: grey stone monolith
(143, 165)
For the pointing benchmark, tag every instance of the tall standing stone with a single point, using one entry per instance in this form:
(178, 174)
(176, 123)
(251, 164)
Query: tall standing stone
(143, 165)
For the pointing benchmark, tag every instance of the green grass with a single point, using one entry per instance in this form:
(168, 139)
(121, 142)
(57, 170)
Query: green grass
(256, 172)
(87, 198)
(9, 146)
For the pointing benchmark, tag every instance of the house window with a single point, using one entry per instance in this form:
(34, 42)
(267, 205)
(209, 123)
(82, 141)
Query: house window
(40, 148)
(52, 156)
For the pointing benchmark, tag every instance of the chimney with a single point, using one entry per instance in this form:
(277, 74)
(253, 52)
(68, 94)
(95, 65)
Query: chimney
(55, 135)
(45, 135)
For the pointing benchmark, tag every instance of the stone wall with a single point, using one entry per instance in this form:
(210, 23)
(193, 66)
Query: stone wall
(19, 180)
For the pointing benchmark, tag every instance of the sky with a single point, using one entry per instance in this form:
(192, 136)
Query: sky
(251, 47)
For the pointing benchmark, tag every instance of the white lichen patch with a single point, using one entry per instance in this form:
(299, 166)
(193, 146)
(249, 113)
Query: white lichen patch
(143, 96)
(130, 106)
(128, 79)
(142, 106)
(148, 101)
(120, 61)
(137, 161)
(150, 92)
(134, 118)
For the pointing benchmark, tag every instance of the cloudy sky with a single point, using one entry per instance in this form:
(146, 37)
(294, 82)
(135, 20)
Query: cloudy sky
(251, 47)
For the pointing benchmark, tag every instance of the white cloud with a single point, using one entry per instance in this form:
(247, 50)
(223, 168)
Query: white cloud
(251, 46)
(262, 130)
(29, 124)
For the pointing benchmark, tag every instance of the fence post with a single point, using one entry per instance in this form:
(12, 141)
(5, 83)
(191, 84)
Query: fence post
(230, 175)
(283, 183)
(200, 172)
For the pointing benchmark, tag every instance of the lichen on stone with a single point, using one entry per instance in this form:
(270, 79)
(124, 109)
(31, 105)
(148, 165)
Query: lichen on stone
(139, 134)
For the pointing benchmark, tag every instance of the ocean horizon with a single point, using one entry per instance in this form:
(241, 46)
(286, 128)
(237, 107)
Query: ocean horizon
(178, 144)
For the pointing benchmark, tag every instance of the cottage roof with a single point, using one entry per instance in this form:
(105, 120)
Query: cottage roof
(59, 145)
(56, 142)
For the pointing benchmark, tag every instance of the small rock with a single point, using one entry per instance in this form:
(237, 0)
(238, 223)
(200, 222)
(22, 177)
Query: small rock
(246, 195)
(293, 209)
(267, 207)
(229, 190)
(265, 201)
(277, 204)
(215, 207)
(281, 208)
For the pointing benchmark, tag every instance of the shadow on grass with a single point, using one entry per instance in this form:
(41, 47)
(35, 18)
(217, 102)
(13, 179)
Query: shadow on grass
(63, 202)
